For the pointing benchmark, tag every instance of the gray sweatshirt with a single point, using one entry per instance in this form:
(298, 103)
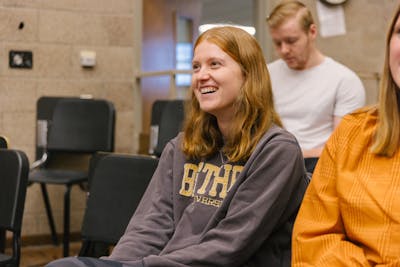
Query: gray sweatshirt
(218, 213)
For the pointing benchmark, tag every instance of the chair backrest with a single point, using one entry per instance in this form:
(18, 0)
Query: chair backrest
(170, 124)
(70, 129)
(14, 169)
(82, 125)
(3, 142)
(156, 111)
(116, 185)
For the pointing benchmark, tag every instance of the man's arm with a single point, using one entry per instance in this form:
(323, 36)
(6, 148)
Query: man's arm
(316, 152)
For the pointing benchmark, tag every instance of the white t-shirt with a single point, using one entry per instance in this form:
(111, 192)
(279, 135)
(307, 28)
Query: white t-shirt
(308, 100)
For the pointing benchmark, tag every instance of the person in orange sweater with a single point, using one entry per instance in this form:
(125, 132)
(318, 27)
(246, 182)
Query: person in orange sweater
(350, 215)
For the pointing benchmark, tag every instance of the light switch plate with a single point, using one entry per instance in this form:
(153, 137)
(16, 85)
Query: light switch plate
(21, 59)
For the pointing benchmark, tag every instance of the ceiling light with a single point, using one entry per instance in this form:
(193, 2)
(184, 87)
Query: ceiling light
(249, 29)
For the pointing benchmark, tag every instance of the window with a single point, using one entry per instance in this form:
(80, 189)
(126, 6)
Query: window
(184, 52)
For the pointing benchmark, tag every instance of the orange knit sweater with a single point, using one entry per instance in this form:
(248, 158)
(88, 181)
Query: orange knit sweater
(350, 215)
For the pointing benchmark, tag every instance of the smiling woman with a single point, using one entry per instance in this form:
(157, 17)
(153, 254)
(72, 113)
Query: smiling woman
(227, 189)
(216, 81)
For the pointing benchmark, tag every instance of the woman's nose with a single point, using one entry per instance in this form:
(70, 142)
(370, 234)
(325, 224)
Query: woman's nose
(203, 74)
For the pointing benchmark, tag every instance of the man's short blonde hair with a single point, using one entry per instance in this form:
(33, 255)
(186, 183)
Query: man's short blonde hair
(289, 9)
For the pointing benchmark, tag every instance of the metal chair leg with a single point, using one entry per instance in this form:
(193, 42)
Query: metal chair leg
(2, 240)
(49, 214)
(67, 195)
(17, 248)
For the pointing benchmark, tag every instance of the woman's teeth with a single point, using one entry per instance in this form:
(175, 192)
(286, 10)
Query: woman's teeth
(208, 90)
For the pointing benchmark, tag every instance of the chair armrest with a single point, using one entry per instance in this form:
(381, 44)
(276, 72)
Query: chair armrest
(38, 163)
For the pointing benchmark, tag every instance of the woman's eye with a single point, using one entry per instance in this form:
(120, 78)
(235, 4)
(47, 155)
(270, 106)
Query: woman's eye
(215, 64)
(195, 67)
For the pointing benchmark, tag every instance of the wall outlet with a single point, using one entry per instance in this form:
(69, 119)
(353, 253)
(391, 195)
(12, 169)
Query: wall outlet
(21, 59)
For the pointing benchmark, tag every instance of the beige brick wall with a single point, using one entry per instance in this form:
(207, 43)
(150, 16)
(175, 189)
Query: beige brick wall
(56, 32)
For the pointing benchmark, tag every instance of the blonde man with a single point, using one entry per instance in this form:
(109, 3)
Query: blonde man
(311, 91)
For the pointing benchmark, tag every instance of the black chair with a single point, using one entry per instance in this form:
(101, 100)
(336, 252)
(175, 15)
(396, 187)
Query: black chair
(69, 129)
(156, 111)
(14, 169)
(116, 185)
(3, 144)
(166, 123)
(310, 164)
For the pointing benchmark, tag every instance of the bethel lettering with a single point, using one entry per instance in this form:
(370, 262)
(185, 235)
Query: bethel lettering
(212, 182)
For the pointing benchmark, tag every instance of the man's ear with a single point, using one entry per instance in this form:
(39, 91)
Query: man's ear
(313, 31)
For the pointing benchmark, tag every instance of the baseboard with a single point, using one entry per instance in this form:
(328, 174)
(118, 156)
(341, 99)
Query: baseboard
(44, 239)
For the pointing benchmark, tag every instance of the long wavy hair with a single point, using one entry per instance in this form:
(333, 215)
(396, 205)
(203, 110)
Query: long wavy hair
(387, 135)
(254, 107)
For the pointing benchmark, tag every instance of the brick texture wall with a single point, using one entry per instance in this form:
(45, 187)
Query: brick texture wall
(56, 32)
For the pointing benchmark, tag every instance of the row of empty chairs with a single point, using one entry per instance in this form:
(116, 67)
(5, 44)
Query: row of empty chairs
(116, 185)
(112, 202)
(68, 127)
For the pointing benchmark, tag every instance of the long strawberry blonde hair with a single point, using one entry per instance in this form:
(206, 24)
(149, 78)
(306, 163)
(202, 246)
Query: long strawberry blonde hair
(254, 108)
